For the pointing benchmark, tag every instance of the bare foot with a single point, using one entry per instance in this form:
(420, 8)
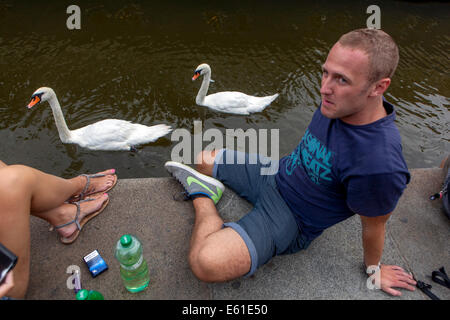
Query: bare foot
(67, 212)
(99, 184)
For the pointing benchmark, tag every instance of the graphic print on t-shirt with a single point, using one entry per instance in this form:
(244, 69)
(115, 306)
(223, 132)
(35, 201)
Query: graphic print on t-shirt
(315, 157)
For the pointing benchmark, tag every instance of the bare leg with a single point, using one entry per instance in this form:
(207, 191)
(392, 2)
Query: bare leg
(205, 160)
(15, 231)
(216, 254)
(24, 190)
(67, 212)
(53, 191)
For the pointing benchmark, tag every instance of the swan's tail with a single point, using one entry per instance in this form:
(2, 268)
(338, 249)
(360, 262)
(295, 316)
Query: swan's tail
(270, 99)
(158, 131)
(144, 134)
(262, 102)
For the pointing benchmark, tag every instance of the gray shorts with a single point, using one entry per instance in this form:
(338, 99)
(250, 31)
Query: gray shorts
(269, 229)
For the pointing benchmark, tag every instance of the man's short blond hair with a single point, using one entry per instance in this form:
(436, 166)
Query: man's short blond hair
(379, 47)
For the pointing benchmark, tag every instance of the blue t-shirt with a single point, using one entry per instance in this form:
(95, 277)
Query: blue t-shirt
(339, 169)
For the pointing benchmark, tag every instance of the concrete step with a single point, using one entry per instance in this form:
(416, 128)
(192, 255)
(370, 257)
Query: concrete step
(331, 268)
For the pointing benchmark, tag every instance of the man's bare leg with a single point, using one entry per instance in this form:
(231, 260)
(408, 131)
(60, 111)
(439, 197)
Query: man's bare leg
(216, 254)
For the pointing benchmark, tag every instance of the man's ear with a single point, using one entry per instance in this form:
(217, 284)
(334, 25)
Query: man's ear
(380, 87)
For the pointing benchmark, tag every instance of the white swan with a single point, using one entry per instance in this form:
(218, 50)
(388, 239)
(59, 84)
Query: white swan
(109, 134)
(228, 101)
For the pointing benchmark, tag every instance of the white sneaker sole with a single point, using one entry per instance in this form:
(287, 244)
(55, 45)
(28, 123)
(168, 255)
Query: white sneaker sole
(195, 173)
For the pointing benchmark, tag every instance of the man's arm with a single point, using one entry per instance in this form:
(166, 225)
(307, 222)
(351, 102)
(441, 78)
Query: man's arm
(2, 164)
(373, 233)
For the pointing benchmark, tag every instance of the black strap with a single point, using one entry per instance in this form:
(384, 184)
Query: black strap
(425, 288)
(445, 281)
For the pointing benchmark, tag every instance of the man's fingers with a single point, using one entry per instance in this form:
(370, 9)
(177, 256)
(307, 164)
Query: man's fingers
(396, 277)
(393, 292)
(411, 281)
(401, 271)
(404, 285)
(410, 288)
(405, 277)
(402, 282)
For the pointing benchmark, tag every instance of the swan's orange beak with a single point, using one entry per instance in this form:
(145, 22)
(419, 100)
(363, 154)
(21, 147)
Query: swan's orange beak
(196, 76)
(34, 100)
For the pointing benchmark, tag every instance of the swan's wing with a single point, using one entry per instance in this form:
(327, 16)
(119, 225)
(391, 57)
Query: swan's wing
(237, 102)
(114, 134)
(109, 134)
(226, 100)
(105, 130)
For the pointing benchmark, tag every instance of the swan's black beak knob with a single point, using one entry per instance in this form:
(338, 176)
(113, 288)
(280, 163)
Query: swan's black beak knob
(196, 75)
(34, 101)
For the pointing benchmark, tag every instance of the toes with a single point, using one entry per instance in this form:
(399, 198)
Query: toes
(109, 172)
(99, 184)
(102, 197)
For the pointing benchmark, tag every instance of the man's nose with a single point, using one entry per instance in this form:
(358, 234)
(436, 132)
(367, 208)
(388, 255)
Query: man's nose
(326, 89)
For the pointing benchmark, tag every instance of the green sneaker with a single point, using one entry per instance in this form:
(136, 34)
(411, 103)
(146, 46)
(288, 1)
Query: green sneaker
(194, 182)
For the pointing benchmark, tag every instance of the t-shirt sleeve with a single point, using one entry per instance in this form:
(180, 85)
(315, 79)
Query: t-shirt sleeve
(375, 195)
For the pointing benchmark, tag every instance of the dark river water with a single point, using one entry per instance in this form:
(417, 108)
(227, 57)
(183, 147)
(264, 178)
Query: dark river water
(134, 60)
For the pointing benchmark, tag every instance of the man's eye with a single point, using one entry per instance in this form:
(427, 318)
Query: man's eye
(342, 80)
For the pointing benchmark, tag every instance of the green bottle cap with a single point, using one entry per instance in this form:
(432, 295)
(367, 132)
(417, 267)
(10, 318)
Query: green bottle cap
(82, 294)
(126, 240)
(95, 295)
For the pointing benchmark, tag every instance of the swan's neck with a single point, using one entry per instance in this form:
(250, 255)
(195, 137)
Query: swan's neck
(63, 130)
(203, 89)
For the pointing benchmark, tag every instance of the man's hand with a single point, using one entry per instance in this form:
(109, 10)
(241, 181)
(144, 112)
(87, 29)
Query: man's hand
(373, 243)
(396, 277)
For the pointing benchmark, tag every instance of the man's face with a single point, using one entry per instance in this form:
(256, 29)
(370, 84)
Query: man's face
(345, 86)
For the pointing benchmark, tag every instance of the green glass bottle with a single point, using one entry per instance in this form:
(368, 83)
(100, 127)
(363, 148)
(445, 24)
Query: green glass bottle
(133, 266)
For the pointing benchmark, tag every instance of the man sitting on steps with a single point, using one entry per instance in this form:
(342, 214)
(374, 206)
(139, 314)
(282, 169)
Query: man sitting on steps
(348, 162)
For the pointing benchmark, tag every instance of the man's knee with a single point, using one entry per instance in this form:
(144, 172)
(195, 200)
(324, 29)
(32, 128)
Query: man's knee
(210, 264)
(203, 265)
(205, 161)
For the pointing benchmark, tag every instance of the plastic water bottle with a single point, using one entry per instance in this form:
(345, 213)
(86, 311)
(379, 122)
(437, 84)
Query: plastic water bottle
(84, 294)
(133, 267)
